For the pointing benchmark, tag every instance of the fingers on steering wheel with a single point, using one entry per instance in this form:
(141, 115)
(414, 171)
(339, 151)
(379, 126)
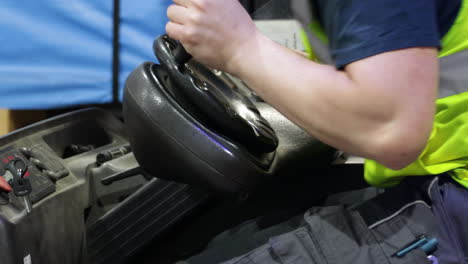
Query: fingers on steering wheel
(184, 3)
(177, 14)
(174, 30)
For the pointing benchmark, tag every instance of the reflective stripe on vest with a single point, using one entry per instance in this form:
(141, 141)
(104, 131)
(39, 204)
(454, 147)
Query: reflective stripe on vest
(312, 35)
(456, 39)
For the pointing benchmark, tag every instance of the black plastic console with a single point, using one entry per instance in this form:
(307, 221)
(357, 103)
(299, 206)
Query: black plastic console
(89, 212)
(75, 217)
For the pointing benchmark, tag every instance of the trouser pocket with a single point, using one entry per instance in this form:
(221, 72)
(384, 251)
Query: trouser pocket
(396, 232)
(370, 233)
(450, 207)
(343, 237)
(295, 247)
(336, 235)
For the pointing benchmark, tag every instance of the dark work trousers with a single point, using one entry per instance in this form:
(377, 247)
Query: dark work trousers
(450, 206)
(369, 232)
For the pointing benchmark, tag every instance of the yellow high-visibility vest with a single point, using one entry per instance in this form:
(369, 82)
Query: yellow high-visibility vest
(447, 147)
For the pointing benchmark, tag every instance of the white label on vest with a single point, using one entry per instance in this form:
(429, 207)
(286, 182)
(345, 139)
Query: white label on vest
(283, 31)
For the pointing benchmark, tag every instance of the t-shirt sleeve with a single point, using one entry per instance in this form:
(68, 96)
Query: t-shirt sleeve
(358, 29)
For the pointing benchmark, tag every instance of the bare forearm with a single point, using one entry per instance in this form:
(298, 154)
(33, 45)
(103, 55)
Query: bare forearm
(380, 107)
(334, 106)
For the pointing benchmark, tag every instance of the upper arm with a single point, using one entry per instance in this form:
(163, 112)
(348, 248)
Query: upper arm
(388, 49)
(404, 83)
(406, 75)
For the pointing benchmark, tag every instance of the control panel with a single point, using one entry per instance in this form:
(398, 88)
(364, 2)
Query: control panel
(72, 192)
(46, 190)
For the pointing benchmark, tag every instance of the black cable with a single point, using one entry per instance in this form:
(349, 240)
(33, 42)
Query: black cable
(116, 52)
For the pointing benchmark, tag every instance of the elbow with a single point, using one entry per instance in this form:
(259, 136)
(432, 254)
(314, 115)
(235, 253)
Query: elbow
(397, 158)
(402, 146)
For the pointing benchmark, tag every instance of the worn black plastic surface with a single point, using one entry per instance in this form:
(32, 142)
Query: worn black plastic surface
(187, 150)
(146, 214)
(211, 101)
(75, 218)
(55, 231)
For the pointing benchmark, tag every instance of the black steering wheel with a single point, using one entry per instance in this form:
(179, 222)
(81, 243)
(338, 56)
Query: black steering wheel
(211, 100)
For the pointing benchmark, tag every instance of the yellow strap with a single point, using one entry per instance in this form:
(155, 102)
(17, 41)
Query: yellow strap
(446, 150)
(457, 38)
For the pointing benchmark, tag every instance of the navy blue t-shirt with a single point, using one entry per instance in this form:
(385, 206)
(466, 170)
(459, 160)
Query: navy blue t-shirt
(358, 29)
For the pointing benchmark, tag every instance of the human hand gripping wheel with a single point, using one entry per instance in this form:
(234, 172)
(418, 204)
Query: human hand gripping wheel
(217, 33)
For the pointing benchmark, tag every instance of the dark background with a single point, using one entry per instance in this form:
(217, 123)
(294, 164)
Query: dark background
(275, 8)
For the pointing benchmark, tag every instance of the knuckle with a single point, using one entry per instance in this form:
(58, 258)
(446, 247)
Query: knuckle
(202, 4)
(170, 31)
(173, 31)
(168, 28)
(195, 18)
(191, 36)
(170, 11)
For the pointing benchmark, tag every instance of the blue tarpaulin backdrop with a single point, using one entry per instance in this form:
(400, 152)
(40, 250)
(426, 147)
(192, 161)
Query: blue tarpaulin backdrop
(56, 53)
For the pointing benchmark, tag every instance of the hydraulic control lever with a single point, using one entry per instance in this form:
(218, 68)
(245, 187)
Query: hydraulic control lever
(121, 175)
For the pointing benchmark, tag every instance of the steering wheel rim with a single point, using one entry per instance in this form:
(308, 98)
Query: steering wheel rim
(210, 99)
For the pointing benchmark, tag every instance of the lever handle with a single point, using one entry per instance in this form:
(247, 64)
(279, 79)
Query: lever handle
(121, 175)
(181, 55)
